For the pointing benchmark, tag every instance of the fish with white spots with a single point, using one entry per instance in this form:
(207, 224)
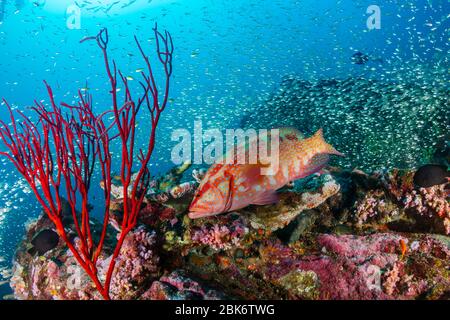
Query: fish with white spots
(232, 186)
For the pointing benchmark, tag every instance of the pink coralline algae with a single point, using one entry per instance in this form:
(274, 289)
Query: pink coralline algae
(350, 267)
(430, 203)
(178, 286)
(220, 237)
(137, 263)
(396, 198)
(360, 267)
(361, 248)
(372, 206)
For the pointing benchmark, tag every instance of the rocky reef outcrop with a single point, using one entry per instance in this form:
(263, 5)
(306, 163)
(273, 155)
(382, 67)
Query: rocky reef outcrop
(340, 235)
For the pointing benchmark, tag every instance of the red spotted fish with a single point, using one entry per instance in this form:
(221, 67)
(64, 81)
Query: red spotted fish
(231, 186)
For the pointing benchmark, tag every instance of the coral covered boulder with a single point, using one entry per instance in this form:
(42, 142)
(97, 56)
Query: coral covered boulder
(335, 267)
(292, 204)
(339, 235)
(57, 275)
(397, 203)
(178, 286)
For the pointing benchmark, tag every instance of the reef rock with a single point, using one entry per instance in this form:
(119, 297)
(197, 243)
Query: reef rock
(178, 286)
(291, 204)
(56, 275)
(340, 235)
(136, 266)
(334, 267)
(400, 206)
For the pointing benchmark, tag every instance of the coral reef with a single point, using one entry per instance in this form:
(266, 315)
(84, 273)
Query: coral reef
(178, 286)
(136, 266)
(398, 203)
(339, 235)
(219, 236)
(57, 275)
(334, 267)
(292, 204)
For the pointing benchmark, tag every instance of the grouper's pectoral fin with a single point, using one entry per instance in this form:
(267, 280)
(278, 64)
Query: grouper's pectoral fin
(267, 197)
(227, 191)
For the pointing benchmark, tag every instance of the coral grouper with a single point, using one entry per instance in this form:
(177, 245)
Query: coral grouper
(228, 187)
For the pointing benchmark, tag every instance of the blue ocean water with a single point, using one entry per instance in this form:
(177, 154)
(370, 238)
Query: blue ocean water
(229, 57)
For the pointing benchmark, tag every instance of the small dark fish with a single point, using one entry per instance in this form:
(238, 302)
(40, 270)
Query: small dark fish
(45, 241)
(359, 58)
(431, 175)
(39, 3)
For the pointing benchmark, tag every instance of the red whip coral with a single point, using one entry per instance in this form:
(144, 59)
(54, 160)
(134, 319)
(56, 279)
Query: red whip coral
(61, 151)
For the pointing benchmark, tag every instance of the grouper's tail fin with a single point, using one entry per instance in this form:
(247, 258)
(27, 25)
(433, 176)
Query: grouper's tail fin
(324, 146)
